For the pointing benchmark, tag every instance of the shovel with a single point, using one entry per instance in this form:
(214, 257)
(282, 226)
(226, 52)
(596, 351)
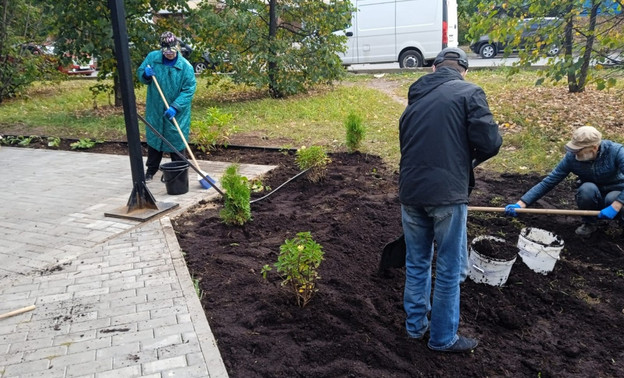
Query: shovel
(393, 255)
(205, 180)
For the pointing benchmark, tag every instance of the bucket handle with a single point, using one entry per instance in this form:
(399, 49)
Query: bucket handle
(162, 178)
(478, 269)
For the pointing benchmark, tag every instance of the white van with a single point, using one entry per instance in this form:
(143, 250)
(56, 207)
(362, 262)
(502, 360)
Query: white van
(411, 32)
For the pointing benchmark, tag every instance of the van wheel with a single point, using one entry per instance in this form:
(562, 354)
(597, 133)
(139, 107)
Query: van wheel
(411, 59)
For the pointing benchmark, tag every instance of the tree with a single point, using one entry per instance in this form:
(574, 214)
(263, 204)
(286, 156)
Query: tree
(85, 30)
(591, 33)
(21, 60)
(283, 45)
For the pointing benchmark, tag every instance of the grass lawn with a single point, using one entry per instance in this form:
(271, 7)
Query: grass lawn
(535, 120)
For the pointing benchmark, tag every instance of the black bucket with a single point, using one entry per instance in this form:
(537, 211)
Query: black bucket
(175, 177)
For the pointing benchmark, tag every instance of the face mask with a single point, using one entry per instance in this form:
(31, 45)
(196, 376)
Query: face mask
(585, 156)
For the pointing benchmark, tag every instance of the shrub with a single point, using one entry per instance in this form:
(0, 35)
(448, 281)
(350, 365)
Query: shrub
(236, 209)
(315, 159)
(355, 132)
(298, 264)
(213, 130)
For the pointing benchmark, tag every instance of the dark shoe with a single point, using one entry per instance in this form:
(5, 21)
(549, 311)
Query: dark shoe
(149, 177)
(462, 345)
(586, 229)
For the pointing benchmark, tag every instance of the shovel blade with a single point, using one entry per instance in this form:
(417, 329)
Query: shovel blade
(393, 254)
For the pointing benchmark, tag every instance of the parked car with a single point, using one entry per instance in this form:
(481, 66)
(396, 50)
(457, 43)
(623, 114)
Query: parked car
(488, 48)
(86, 66)
(200, 64)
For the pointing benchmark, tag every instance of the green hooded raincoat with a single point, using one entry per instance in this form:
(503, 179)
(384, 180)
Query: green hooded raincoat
(178, 85)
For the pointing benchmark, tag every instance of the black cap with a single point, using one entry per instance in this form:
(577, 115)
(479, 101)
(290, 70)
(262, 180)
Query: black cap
(452, 53)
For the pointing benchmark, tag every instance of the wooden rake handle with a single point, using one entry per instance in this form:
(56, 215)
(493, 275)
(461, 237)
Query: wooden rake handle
(587, 213)
(17, 312)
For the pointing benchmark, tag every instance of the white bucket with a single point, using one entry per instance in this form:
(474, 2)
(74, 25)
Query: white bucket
(539, 249)
(488, 270)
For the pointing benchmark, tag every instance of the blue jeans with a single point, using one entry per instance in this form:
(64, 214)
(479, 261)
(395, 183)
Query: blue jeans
(589, 197)
(446, 225)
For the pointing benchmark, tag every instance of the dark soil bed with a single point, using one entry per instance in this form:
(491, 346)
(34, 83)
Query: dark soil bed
(567, 323)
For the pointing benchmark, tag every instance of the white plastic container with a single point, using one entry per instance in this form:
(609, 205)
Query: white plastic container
(539, 249)
(488, 270)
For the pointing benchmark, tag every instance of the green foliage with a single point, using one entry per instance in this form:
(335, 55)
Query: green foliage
(236, 209)
(355, 131)
(54, 142)
(84, 144)
(298, 264)
(101, 88)
(285, 54)
(18, 140)
(84, 30)
(214, 129)
(23, 23)
(315, 159)
(586, 35)
(256, 186)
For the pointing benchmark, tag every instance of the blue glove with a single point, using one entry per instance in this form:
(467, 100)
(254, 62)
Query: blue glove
(149, 72)
(170, 113)
(510, 210)
(608, 213)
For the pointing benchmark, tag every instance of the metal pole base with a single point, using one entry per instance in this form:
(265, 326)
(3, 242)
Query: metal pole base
(141, 205)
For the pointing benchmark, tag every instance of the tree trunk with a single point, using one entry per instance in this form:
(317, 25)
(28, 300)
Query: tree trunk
(272, 64)
(569, 42)
(589, 46)
(576, 84)
(117, 91)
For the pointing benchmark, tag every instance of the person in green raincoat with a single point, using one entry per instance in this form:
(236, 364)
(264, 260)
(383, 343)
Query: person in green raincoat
(176, 78)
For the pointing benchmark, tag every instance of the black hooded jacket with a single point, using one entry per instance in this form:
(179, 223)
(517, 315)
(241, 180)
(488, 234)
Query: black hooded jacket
(447, 124)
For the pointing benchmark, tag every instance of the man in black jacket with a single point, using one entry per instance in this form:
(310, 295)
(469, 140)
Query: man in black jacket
(446, 129)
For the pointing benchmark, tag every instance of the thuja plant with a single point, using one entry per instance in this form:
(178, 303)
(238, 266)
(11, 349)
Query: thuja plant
(298, 264)
(315, 159)
(355, 132)
(236, 209)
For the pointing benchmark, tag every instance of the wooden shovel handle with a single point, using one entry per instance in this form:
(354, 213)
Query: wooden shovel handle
(17, 312)
(587, 213)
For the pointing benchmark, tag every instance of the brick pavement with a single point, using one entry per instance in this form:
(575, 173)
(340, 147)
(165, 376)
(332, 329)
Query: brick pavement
(113, 296)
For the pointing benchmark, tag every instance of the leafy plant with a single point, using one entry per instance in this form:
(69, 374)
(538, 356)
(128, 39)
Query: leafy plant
(236, 209)
(54, 142)
(17, 140)
(213, 130)
(25, 141)
(84, 143)
(315, 159)
(355, 131)
(298, 264)
(257, 186)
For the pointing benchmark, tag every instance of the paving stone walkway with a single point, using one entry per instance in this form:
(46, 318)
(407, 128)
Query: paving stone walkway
(112, 296)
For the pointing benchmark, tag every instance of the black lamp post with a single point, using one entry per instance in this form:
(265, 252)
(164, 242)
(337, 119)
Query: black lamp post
(141, 204)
